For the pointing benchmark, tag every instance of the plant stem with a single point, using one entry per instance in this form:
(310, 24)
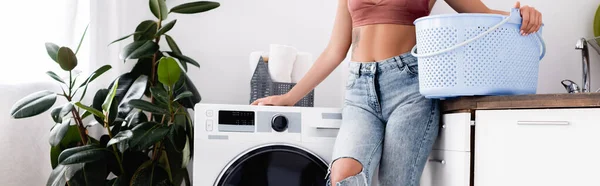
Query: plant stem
(114, 148)
(156, 40)
(79, 123)
(157, 150)
(70, 82)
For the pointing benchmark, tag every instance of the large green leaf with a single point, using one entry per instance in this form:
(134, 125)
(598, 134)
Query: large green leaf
(179, 159)
(56, 116)
(52, 50)
(95, 74)
(57, 176)
(147, 106)
(139, 49)
(125, 81)
(136, 118)
(94, 111)
(55, 77)
(175, 158)
(166, 28)
(122, 136)
(172, 44)
(180, 85)
(58, 132)
(188, 85)
(66, 58)
(143, 67)
(159, 9)
(168, 71)
(150, 174)
(106, 105)
(134, 90)
(184, 58)
(91, 174)
(59, 112)
(54, 152)
(84, 154)
(146, 134)
(160, 94)
(66, 109)
(71, 139)
(142, 139)
(99, 99)
(177, 135)
(146, 29)
(195, 7)
(184, 94)
(33, 104)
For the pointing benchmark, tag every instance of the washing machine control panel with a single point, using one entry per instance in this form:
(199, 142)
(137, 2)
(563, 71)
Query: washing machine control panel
(229, 119)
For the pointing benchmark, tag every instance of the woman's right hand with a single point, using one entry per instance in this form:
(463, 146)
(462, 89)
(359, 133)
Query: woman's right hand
(278, 100)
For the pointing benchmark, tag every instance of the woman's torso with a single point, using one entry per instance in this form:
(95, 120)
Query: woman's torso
(382, 32)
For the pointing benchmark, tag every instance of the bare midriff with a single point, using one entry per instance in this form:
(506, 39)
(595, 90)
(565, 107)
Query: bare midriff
(377, 42)
(372, 43)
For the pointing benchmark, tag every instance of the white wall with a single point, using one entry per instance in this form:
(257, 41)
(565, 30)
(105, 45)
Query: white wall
(221, 41)
(565, 22)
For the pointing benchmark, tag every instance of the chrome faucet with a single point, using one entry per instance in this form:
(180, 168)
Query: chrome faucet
(585, 59)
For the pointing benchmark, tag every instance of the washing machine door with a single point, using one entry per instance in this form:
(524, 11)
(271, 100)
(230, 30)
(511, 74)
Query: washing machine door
(275, 165)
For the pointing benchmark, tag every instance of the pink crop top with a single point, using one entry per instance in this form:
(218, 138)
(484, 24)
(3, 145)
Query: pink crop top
(403, 12)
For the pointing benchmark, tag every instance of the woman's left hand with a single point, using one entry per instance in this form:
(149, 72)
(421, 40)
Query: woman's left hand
(532, 19)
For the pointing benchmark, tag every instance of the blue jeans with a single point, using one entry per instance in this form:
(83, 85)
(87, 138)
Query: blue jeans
(387, 123)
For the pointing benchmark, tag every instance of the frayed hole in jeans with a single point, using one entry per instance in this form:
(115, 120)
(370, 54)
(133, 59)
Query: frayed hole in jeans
(347, 168)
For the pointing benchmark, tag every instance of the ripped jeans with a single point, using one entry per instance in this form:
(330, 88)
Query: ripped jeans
(387, 124)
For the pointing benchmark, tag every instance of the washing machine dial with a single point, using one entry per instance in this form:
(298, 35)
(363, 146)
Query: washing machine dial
(279, 123)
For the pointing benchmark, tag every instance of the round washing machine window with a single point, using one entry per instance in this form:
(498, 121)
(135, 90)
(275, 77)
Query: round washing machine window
(275, 165)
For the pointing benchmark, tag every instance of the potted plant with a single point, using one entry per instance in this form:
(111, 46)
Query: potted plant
(149, 131)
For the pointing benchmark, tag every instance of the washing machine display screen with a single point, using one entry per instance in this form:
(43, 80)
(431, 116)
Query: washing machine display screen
(228, 117)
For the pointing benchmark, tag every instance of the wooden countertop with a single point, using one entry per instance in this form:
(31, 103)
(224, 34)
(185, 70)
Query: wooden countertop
(534, 101)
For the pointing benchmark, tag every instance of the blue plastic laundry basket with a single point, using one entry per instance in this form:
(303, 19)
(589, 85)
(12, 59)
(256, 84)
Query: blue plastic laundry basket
(476, 54)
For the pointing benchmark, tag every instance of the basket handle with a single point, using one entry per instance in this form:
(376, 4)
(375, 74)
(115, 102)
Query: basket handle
(515, 12)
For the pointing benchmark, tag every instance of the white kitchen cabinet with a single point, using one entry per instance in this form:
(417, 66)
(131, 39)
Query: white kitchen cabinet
(455, 133)
(549, 147)
(447, 168)
(449, 163)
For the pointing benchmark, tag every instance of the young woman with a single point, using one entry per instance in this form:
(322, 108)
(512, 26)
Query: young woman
(386, 122)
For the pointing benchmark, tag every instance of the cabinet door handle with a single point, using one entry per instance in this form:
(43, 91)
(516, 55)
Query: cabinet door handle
(443, 162)
(543, 123)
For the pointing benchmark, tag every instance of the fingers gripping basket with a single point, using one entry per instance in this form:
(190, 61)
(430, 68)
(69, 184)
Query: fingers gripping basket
(262, 86)
(476, 54)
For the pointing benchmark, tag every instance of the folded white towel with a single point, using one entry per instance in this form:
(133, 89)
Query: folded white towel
(281, 62)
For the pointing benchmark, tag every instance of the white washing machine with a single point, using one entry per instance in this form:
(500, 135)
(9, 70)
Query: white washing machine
(243, 145)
